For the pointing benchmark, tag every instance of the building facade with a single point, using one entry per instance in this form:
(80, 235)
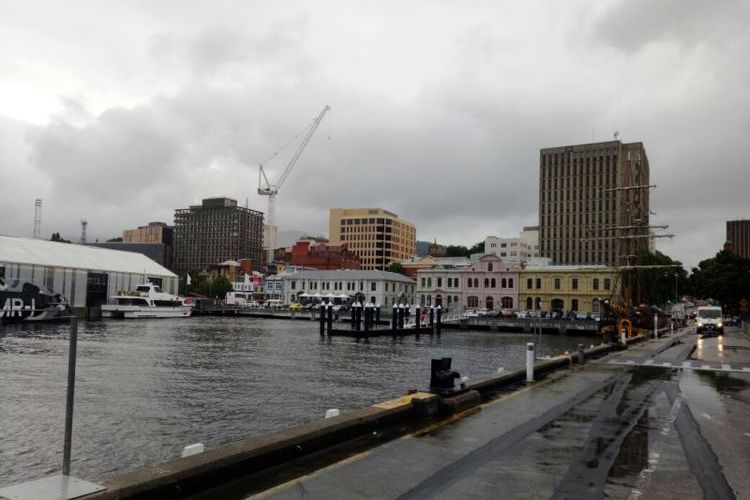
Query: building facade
(567, 288)
(515, 251)
(488, 283)
(593, 202)
(86, 276)
(376, 236)
(440, 286)
(379, 287)
(323, 255)
(738, 237)
(216, 231)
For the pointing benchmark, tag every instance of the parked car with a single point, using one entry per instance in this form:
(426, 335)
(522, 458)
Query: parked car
(482, 312)
(471, 313)
(508, 313)
(296, 307)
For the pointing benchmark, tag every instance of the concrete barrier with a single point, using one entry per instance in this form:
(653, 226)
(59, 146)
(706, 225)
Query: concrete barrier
(198, 473)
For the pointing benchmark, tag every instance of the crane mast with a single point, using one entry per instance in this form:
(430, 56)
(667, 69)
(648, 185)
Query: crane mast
(265, 188)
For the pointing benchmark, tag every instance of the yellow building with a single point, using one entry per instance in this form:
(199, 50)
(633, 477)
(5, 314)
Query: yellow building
(376, 236)
(567, 288)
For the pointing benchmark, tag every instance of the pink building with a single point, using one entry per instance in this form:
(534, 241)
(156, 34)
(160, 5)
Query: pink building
(490, 283)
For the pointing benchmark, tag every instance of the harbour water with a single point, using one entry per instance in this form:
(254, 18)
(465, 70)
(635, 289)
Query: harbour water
(147, 388)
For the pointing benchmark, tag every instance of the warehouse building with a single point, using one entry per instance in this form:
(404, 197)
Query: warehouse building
(84, 275)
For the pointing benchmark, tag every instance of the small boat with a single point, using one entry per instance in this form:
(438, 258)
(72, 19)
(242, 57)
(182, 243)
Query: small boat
(147, 301)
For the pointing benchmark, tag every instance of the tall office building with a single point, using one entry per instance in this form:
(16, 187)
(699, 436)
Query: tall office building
(376, 236)
(593, 202)
(215, 231)
(738, 237)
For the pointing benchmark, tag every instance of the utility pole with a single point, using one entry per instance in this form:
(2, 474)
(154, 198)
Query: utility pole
(37, 218)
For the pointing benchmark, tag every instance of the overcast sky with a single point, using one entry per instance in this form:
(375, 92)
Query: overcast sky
(120, 112)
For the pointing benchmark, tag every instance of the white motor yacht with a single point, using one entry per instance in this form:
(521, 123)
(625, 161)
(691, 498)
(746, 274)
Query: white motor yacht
(147, 301)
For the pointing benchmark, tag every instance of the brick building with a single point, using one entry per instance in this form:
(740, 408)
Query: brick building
(323, 255)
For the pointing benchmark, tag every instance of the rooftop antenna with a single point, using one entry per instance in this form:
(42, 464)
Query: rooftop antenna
(84, 223)
(38, 218)
(617, 135)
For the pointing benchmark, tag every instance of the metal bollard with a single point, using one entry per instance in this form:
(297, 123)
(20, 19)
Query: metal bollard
(70, 397)
(656, 326)
(581, 355)
(439, 322)
(624, 336)
(530, 362)
(330, 318)
(671, 327)
(322, 313)
(394, 318)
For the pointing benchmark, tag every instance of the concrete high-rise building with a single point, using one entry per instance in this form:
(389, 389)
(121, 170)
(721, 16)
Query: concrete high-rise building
(738, 237)
(376, 236)
(593, 202)
(215, 231)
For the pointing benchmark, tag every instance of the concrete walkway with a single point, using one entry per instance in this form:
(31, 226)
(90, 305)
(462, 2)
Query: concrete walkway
(603, 429)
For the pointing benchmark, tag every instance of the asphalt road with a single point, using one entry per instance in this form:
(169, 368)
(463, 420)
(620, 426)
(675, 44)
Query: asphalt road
(659, 420)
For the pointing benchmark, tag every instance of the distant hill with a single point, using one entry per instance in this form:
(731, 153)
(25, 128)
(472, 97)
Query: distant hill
(423, 248)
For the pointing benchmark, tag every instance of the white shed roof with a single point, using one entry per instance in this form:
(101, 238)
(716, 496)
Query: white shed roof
(53, 253)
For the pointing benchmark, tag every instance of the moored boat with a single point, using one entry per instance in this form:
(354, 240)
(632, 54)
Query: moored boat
(146, 301)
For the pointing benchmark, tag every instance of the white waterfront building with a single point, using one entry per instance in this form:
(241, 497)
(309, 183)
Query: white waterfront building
(378, 287)
(86, 276)
(515, 251)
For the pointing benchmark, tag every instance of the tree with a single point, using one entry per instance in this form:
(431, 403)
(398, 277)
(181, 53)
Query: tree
(725, 277)
(57, 237)
(397, 267)
(115, 240)
(660, 285)
(219, 287)
(462, 251)
(456, 251)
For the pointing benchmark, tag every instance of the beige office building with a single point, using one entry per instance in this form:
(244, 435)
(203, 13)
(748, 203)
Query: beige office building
(378, 237)
(593, 202)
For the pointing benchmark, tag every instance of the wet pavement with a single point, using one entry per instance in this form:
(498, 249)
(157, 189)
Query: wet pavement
(666, 419)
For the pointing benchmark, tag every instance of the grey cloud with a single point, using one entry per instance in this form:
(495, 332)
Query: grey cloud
(630, 25)
(212, 50)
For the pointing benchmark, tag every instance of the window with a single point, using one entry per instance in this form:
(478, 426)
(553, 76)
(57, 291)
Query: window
(557, 283)
(574, 304)
(489, 266)
(574, 284)
(439, 282)
(510, 282)
(596, 284)
(429, 282)
(424, 281)
(504, 283)
(493, 283)
(529, 303)
(373, 287)
(294, 285)
(529, 283)
(507, 302)
(476, 282)
(538, 283)
(468, 283)
(486, 282)
(472, 301)
(607, 283)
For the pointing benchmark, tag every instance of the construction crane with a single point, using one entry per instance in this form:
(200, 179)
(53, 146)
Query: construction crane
(265, 188)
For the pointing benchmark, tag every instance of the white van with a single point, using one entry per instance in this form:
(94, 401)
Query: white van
(709, 321)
